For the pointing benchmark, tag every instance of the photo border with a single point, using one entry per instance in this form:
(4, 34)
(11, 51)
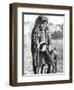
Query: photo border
(13, 43)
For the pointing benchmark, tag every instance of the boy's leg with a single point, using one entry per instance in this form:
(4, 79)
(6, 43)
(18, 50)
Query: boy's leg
(42, 68)
(49, 68)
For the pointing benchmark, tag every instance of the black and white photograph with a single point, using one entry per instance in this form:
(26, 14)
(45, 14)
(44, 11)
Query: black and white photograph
(42, 45)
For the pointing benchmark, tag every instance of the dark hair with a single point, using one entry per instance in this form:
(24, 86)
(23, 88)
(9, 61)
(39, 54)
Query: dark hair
(40, 19)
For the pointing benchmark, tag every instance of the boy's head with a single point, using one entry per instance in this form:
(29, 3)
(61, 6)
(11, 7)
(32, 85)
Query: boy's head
(42, 21)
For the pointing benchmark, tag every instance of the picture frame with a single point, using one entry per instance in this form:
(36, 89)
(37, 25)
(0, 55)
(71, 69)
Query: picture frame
(23, 17)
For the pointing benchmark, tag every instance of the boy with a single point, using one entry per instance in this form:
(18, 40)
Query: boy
(50, 57)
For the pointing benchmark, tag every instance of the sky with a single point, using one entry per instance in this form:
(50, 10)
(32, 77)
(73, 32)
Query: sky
(51, 19)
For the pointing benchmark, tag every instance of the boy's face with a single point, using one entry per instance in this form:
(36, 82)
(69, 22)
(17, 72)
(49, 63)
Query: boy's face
(43, 25)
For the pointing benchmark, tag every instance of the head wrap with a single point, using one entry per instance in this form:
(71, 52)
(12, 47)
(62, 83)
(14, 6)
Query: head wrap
(41, 19)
